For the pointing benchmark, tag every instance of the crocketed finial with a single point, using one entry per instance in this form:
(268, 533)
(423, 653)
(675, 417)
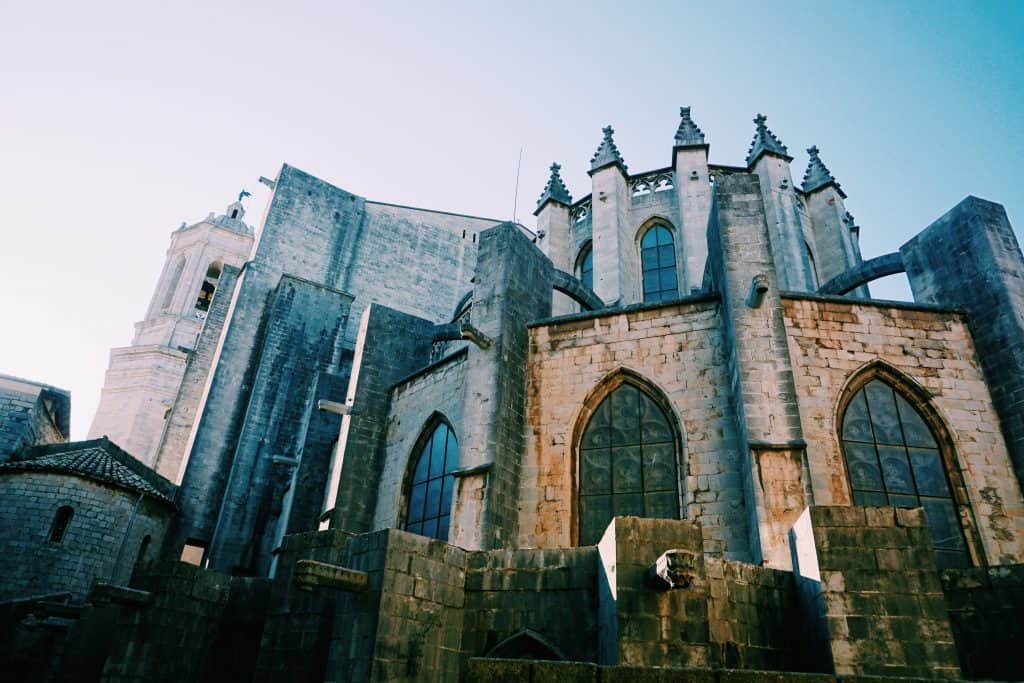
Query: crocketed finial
(607, 153)
(817, 174)
(688, 133)
(765, 142)
(555, 190)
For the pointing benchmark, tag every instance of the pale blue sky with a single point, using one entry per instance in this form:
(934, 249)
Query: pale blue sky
(120, 120)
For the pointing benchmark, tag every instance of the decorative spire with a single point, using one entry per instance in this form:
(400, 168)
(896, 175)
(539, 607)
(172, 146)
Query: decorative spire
(555, 190)
(765, 142)
(817, 175)
(688, 134)
(607, 153)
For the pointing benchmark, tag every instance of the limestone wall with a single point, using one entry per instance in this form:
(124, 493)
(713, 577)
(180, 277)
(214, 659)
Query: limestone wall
(550, 592)
(752, 616)
(170, 451)
(413, 403)
(33, 565)
(831, 340)
(986, 611)
(883, 602)
(29, 417)
(677, 348)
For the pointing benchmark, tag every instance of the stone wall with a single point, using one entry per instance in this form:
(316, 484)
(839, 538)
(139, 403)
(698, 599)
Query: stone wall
(94, 541)
(171, 450)
(516, 670)
(436, 391)
(31, 414)
(415, 260)
(678, 350)
(969, 258)
(364, 461)
(885, 610)
(195, 625)
(644, 626)
(986, 611)
(302, 339)
(319, 449)
(297, 634)
(552, 593)
(746, 264)
(831, 340)
(752, 616)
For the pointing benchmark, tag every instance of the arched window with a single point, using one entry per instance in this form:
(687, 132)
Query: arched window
(627, 463)
(430, 492)
(814, 266)
(61, 521)
(172, 283)
(658, 261)
(585, 266)
(208, 287)
(893, 458)
(140, 558)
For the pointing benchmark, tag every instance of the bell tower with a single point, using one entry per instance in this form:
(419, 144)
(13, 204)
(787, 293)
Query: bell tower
(142, 379)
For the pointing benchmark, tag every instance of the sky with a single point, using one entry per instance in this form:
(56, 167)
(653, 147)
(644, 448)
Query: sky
(118, 121)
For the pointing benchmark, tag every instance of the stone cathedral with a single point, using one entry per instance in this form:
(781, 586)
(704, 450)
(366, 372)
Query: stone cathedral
(668, 434)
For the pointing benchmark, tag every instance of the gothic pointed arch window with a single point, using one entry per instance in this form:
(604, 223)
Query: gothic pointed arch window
(894, 457)
(585, 265)
(429, 498)
(658, 262)
(628, 462)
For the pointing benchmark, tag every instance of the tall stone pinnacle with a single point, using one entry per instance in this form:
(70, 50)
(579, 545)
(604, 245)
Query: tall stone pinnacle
(555, 190)
(688, 134)
(817, 175)
(765, 142)
(607, 153)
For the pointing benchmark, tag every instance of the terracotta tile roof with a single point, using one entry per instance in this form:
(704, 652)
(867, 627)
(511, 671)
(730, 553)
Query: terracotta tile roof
(91, 461)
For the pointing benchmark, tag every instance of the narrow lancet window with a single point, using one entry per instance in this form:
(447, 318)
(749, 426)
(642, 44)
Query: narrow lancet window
(893, 458)
(430, 492)
(658, 261)
(586, 266)
(627, 464)
(61, 521)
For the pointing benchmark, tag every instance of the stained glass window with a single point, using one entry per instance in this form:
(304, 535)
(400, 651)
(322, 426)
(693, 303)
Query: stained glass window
(627, 463)
(658, 259)
(430, 494)
(893, 458)
(586, 268)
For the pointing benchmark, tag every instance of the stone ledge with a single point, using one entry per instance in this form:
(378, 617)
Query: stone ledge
(310, 574)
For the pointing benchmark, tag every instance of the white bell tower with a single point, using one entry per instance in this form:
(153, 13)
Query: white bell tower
(143, 379)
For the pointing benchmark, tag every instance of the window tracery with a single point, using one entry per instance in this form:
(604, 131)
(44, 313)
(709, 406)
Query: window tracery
(893, 458)
(627, 463)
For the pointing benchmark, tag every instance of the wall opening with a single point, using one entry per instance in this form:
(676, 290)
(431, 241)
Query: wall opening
(193, 552)
(208, 287)
(61, 521)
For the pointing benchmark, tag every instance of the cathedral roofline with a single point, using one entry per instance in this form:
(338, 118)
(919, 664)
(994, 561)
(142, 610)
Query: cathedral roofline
(693, 299)
(849, 300)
